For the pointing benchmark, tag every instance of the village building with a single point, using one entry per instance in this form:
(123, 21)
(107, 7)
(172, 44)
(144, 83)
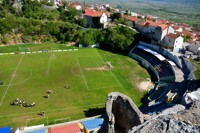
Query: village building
(131, 20)
(190, 35)
(160, 32)
(195, 47)
(161, 21)
(173, 41)
(96, 19)
(149, 27)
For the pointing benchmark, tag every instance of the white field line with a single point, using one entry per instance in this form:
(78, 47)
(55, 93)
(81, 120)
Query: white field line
(11, 80)
(27, 120)
(106, 87)
(72, 71)
(48, 65)
(53, 110)
(31, 74)
(65, 118)
(105, 75)
(82, 73)
(114, 75)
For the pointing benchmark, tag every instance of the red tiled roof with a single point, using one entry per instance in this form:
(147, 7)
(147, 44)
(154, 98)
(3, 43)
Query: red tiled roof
(150, 23)
(179, 33)
(163, 26)
(189, 34)
(69, 128)
(176, 27)
(92, 13)
(140, 22)
(162, 21)
(130, 18)
(172, 35)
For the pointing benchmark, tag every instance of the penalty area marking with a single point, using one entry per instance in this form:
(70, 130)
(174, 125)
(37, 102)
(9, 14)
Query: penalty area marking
(30, 75)
(82, 73)
(27, 120)
(72, 71)
(13, 75)
(113, 75)
(105, 75)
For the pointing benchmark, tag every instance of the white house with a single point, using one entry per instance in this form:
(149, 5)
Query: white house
(161, 31)
(195, 47)
(104, 20)
(95, 17)
(173, 41)
(178, 28)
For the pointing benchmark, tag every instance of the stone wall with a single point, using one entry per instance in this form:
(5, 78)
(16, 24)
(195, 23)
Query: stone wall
(190, 68)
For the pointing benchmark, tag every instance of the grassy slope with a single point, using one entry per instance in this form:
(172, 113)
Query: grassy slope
(197, 67)
(65, 68)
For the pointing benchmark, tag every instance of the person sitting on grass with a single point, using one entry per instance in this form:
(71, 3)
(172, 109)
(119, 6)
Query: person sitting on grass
(50, 91)
(41, 113)
(66, 87)
(33, 104)
(12, 103)
(46, 96)
(25, 105)
(17, 100)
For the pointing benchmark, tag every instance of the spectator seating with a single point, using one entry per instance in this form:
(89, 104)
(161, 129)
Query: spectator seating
(163, 68)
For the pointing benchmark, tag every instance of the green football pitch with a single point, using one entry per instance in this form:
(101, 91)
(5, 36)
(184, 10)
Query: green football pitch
(80, 81)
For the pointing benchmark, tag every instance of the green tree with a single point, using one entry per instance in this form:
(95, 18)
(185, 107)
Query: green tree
(83, 22)
(89, 37)
(186, 38)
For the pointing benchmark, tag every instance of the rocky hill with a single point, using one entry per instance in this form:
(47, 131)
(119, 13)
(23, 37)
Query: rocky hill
(122, 116)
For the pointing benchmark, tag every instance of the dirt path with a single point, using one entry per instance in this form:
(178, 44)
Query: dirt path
(145, 85)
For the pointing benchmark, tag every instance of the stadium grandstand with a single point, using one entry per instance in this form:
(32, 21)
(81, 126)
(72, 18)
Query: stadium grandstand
(161, 69)
(154, 61)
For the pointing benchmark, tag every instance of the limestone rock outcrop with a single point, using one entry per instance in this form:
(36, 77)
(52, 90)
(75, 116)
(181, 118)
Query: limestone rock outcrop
(123, 116)
(166, 124)
(122, 113)
(191, 97)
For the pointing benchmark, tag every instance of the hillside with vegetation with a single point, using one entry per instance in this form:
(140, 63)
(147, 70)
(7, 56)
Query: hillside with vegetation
(37, 22)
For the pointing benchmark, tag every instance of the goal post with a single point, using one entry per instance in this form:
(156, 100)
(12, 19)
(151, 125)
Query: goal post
(109, 65)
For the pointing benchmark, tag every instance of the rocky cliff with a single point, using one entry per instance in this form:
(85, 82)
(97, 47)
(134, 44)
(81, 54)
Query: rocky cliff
(123, 116)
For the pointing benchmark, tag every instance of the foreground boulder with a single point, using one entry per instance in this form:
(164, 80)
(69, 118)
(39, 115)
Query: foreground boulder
(122, 113)
(123, 116)
(189, 98)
